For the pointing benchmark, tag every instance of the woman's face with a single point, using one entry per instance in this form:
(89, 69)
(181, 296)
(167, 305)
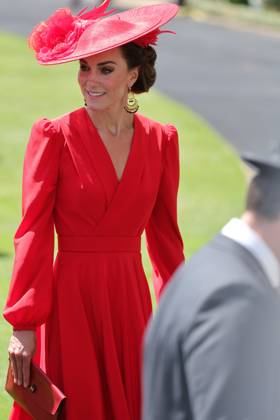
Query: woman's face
(104, 79)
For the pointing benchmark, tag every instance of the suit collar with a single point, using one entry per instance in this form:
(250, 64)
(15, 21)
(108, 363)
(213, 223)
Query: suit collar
(240, 232)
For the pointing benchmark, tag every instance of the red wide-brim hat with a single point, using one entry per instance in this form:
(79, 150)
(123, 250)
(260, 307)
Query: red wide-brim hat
(64, 37)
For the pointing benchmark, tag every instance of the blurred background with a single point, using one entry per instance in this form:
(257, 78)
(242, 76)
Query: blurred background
(218, 82)
(224, 62)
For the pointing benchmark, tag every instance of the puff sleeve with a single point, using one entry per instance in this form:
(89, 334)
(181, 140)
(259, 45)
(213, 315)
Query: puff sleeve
(30, 295)
(165, 245)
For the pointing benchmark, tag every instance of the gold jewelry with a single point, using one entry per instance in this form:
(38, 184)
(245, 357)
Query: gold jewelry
(132, 103)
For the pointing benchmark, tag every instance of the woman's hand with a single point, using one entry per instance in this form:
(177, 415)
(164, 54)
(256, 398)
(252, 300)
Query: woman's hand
(21, 350)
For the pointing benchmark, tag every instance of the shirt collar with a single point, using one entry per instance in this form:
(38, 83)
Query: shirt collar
(239, 231)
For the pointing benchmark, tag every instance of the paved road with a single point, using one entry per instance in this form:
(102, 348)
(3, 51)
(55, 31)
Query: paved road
(229, 77)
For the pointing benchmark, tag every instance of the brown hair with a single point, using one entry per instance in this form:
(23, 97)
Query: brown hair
(145, 59)
(263, 196)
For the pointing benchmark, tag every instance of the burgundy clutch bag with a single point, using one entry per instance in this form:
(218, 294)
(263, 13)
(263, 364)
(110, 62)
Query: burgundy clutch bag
(42, 400)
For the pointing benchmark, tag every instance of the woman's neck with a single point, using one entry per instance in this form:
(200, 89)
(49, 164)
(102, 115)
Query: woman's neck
(111, 121)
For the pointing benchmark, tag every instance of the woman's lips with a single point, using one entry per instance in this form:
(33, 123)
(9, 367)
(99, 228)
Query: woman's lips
(94, 94)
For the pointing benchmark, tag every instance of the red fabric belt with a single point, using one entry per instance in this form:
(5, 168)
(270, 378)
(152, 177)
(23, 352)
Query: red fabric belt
(99, 244)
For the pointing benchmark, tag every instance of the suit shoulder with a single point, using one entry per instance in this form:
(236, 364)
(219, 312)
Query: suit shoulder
(219, 264)
(217, 275)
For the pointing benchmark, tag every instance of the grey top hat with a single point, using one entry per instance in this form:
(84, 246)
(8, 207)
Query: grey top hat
(268, 163)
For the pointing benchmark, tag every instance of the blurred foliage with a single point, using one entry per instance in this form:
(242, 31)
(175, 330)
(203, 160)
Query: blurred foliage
(273, 3)
(269, 3)
(238, 1)
(226, 11)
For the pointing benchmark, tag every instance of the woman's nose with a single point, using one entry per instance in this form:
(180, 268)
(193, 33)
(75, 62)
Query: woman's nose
(92, 76)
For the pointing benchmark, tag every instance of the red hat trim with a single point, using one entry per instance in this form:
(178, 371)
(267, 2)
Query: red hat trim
(58, 35)
(150, 38)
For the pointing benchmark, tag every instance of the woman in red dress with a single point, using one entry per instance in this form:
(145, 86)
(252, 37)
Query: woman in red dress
(100, 176)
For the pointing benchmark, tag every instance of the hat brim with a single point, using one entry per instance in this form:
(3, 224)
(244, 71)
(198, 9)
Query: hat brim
(261, 164)
(119, 29)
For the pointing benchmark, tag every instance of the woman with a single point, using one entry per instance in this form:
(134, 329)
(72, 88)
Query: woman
(101, 175)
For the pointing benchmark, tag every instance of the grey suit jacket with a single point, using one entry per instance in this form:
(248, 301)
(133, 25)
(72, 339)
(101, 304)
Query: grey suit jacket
(212, 351)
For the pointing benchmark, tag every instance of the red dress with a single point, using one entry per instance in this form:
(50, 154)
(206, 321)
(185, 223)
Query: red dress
(92, 306)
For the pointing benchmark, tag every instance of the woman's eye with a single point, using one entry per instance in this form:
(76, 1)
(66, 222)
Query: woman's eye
(83, 67)
(106, 70)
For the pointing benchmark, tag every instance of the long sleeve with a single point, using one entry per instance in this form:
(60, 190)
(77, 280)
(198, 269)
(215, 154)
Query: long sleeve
(30, 295)
(164, 240)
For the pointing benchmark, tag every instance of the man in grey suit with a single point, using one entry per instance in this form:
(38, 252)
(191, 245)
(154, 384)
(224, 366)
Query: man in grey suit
(212, 351)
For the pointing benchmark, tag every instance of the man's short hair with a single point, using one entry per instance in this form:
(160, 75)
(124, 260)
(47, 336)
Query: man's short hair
(263, 197)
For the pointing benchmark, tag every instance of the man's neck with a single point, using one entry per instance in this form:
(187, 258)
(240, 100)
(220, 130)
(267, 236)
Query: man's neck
(266, 229)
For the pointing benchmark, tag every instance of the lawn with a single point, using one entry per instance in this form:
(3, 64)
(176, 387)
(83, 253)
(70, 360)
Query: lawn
(212, 178)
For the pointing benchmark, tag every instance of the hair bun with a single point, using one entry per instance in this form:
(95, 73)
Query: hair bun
(144, 58)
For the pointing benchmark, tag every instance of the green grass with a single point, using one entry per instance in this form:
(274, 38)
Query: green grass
(238, 13)
(212, 179)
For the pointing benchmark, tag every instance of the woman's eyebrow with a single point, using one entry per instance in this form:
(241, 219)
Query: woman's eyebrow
(106, 62)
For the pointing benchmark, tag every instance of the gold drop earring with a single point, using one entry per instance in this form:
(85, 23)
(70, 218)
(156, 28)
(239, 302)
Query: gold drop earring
(132, 105)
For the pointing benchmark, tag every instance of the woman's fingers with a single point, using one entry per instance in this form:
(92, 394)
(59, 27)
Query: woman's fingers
(21, 349)
(26, 359)
(15, 350)
(18, 358)
(21, 367)
(14, 366)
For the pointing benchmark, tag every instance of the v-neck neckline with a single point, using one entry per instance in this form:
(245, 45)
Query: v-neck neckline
(106, 152)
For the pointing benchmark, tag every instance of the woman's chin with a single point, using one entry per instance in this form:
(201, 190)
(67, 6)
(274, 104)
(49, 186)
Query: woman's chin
(96, 107)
